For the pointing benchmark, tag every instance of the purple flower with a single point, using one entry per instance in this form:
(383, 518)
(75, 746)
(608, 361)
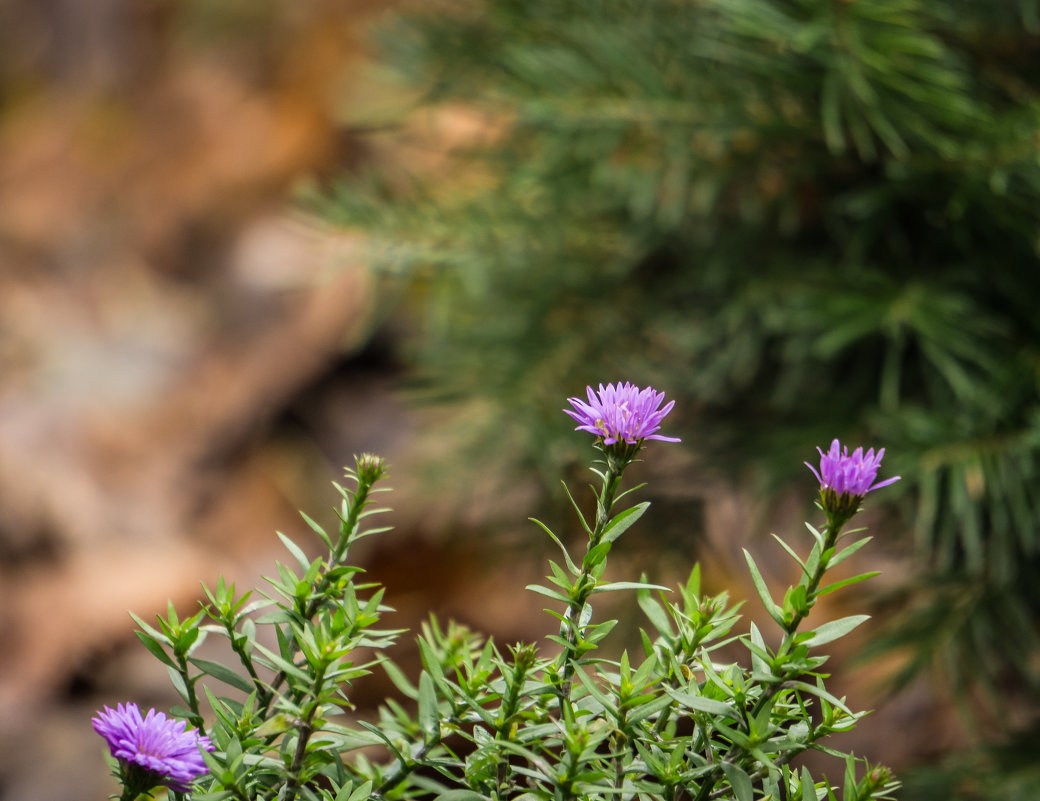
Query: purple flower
(621, 413)
(849, 475)
(153, 750)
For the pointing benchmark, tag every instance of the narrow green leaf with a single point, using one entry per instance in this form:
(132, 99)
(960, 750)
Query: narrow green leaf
(461, 795)
(177, 680)
(567, 557)
(322, 535)
(739, 781)
(701, 704)
(614, 586)
(846, 552)
(835, 629)
(157, 635)
(284, 665)
(156, 649)
(808, 786)
(429, 720)
(790, 552)
(400, 681)
(595, 556)
(360, 793)
(577, 509)
(623, 521)
(654, 612)
(223, 673)
(819, 692)
(837, 585)
(538, 588)
(295, 550)
(763, 591)
(597, 693)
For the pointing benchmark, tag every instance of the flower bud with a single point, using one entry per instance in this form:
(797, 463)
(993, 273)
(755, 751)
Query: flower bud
(370, 468)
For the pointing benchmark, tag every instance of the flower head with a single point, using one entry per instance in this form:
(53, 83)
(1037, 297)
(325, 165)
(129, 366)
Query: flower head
(153, 750)
(621, 413)
(845, 479)
(370, 468)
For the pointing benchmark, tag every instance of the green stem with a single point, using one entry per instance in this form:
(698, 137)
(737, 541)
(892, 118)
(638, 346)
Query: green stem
(306, 730)
(237, 645)
(618, 458)
(196, 719)
(338, 553)
(829, 540)
(791, 629)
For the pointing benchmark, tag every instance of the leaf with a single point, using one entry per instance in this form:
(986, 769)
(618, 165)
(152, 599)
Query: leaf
(596, 692)
(699, 703)
(538, 588)
(738, 780)
(360, 793)
(317, 530)
(622, 522)
(819, 692)
(429, 720)
(654, 612)
(284, 665)
(295, 550)
(567, 557)
(177, 680)
(159, 636)
(837, 585)
(791, 553)
(763, 591)
(759, 654)
(156, 649)
(846, 552)
(577, 509)
(595, 556)
(835, 629)
(461, 795)
(223, 673)
(399, 680)
(614, 586)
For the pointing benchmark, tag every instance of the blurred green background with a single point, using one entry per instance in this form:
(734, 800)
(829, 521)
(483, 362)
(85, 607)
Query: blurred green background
(243, 240)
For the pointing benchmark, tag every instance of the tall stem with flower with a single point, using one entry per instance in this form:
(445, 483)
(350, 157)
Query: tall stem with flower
(621, 417)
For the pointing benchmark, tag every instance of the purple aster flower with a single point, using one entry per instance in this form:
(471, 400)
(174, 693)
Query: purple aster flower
(844, 479)
(852, 475)
(153, 750)
(621, 413)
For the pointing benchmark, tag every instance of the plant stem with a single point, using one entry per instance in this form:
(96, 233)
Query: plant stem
(618, 458)
(829, 540)
(348, 529)
(196, 719)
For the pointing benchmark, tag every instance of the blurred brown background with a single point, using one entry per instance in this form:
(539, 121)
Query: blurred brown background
(187, 360)
(173, 337)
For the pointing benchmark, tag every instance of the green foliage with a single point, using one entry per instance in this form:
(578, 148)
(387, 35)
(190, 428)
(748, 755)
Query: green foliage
(805, 216)
(486, 724)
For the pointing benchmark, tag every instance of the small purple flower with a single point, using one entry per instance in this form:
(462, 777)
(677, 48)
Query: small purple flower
(153, 750)
(621, 413)
(849, 475)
